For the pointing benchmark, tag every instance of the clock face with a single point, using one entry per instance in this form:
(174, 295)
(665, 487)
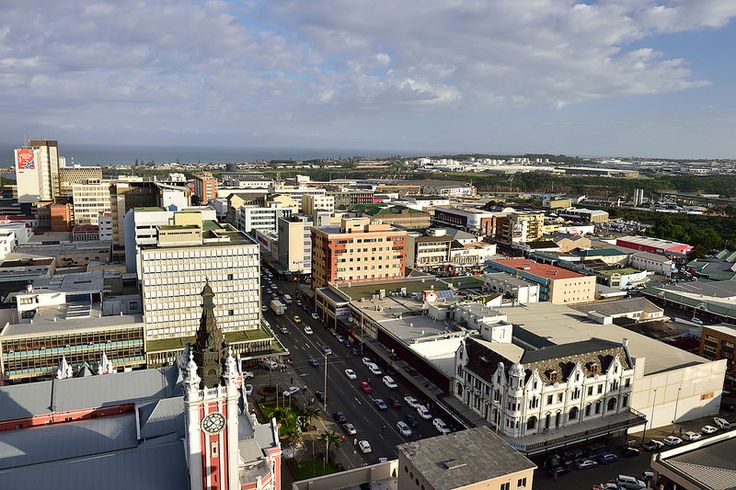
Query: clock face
(213, 423)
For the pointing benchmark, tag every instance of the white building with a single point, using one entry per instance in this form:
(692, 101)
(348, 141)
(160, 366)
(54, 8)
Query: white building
(37, 171)
(317, 202)
(90, 200)
(648, 261)
(522, 291)
(295, 244)
(262, 217)
(104, 224)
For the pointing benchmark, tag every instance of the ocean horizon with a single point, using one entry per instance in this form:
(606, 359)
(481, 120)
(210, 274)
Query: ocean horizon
(84, 154)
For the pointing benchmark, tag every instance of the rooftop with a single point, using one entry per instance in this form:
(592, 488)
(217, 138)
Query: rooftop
(650, 241)
(540, 270)
(621, 307)
(357, 292)
(461, 458)
(621, 271)
(510, 279)
(708, 464)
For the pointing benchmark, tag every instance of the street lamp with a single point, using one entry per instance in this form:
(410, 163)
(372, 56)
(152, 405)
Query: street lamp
(651, 421)
(677, 400)
(325, 381)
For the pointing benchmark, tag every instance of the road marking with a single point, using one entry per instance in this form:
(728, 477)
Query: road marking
(356, 399)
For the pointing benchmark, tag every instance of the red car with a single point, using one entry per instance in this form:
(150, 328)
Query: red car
(365, 387)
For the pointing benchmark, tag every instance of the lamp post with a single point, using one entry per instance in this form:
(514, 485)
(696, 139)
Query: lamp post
(325, 382)
(651, 421)
(674, 418)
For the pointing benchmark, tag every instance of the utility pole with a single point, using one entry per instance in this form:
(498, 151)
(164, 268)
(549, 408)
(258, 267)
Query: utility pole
(674, 418)
(325, 382)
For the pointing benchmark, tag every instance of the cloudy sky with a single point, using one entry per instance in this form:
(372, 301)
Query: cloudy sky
(646, 77)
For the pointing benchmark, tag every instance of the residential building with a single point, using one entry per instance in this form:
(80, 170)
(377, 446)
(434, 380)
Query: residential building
(313, 202)
(460, 460)
(295, 244)
(205, 187)
(467, 219)
(89, 200)
(399, 216)
(357, 251)
(238, 199)
(519, 228)
(104, 223)
(557, 285)
(37, 171)
(245, 180)
(78, 174)
(654, 245)
(583, 215)
(346, 198)
(518, 289)
(431, 249)
(262, 217)
(719, 342)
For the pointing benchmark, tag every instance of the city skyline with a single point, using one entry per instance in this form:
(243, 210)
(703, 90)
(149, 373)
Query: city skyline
(609, 78)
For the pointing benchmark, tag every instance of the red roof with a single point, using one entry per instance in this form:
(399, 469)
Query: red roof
(537, 269)
(85, 228)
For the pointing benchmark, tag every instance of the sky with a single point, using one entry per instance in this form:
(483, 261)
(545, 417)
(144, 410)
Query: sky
(609, 77)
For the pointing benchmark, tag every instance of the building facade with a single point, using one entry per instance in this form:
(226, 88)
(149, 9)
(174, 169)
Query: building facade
(205, 187)
(313, 202)
(653, 245)
(262, 217)
(520, 228)
(557, 285)
(719, 342)
(68, 176)
(467, 219)
(295, 244)
(89, 201)
(37, 171)
(519, 290)
(428, 250)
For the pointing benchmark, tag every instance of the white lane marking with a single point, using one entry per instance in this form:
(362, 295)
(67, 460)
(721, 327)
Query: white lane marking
(356, 399)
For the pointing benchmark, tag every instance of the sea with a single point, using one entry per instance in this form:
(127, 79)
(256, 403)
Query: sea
(85, 154)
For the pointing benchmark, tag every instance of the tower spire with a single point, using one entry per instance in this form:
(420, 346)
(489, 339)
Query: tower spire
(210, 345)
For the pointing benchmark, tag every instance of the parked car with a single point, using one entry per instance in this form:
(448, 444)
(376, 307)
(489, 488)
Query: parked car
(394, 402)
(606, 486)
(349, 428)
(423, 412)
(365, 387)
(290, 391)
(653, 445)
(411, 401)
(270, 364)
(555, 471)
(390, 383)
(313, 362)
(319, 395)
(691, 436)
(606, 458)
(340, 417)
(350, 374)
(308, 330)
(248, 389)
(403, 428)
(709, 429)
(364, 446)
(373, 368)
(441, 426)
(630, 483)
(672, 441)
(380, 404)
(583, 463)
(247, 374)
(315, 316)
(629, 452)
(722, 423)
(284, 329)
(411, 420)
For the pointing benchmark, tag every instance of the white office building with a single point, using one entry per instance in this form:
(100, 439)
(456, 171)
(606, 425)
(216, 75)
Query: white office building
(262, 217)
(90, 200)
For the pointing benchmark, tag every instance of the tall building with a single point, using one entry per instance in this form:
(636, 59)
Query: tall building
(262, 217)
(520, 228)
(295, 244)
(78, 174)
(467, 219)
(89, 201)
(205, 187)
(37, 171)
(357, 251)
(312, 202)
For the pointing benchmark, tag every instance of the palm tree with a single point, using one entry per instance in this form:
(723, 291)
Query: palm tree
(290, 432)
(281, 414)
(310, 412)
(329, 437)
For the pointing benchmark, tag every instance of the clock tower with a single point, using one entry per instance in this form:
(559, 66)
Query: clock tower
(211, 406)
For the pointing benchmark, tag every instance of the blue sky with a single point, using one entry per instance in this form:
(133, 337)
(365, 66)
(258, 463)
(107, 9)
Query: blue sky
(612, 77)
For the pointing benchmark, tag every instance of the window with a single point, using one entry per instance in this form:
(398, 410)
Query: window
(590, 390)
(627, 382)
(521, 483)
(506, 486)
(600, 389)
(549, 399)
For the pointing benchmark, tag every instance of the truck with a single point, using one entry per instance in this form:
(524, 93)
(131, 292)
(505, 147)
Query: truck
(287, 299)
(278, 307)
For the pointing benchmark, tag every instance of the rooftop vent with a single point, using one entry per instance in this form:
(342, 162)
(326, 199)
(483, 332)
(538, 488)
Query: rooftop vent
(452, 464)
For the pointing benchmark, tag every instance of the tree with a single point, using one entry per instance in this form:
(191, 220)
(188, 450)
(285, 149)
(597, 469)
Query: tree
(291, 433)
(329, 437)
(310, 412)
(281, 414)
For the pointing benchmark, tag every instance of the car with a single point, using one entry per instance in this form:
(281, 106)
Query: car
(411, 420)
(630, 483)
(383, 460)
(423, 412)
(364, 446)
(315, 316)
(367, 360)
(308, 330)
(672, 441)
(629, 452)
(653, 445)
(349, 428)
(697, 321)
(319, 395)
(691, 436)
(380, 404)
(390, 383)
(606, 458)
(284, 330)
(709, 429)
(264, 308)
(290, 391)
(326, 349)
(248, 375)
(350, 374)
(441, 426)
(404, 429)
(297, 319)
(373, 368)
(340, 338)
(722, 423)
(606, 486)
(411, 401)
(583, 463)
(270, 364)
(365, 387)
(298, 303)
(394, 402)
(248, 389)
(313, 362)
(340, 417)
(556, 471)
(355, 351)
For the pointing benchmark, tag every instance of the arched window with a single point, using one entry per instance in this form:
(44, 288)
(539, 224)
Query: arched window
(531, 423)
(574, 412)
(611, 405)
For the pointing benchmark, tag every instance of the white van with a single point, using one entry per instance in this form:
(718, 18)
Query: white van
(390, 383)
(630, 482)
(441, 426)
(722, 423)
(287, 299)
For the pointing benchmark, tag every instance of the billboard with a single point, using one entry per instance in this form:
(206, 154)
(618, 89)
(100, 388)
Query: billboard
(25, 159)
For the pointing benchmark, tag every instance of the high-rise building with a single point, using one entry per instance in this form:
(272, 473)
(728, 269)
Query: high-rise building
(517, 228)
(37, 171)
(357, 251)
(205, 187)
(262, 217)
(89, 200)
(295, 244)
(314, 202)
(68, 176)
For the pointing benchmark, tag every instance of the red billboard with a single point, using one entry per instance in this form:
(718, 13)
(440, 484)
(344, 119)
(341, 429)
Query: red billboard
(25, 159)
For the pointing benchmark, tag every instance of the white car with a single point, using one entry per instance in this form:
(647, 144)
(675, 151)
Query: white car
(411, 401)
(315, 316)
(270, 364)
(351, 374)
(375, 369)
(349, 428)
(672, 441)
(308, 330)
(441, 426)
(403, 428)
(709, 429)
(290, 391)
(248, 389)
(264, 308)
(722, 423)
(364, 446)
(691, 436)
(247, 375)
(367, 361)
(423, 412)
(390, 383)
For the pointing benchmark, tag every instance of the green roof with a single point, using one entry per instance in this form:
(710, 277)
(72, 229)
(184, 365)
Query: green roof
(178, 343)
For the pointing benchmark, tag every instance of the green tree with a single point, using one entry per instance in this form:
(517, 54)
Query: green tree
(329, 437)
(311, 412)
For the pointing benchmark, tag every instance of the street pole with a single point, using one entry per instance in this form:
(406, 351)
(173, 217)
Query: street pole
(325, 382)
(674, 419)
(651, 421)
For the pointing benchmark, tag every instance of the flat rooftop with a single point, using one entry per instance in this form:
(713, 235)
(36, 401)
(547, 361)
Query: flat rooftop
(620, 307)
(461, 458)
(563, 325)
(53, 320)
(708, 464)
(650, 241)
(540, 270)
(510, 280)
(367, 290)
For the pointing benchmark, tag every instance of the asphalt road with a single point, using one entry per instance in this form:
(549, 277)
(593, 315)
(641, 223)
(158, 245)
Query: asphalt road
(376, 426)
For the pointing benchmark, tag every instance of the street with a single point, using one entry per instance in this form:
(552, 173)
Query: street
(376, 426)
